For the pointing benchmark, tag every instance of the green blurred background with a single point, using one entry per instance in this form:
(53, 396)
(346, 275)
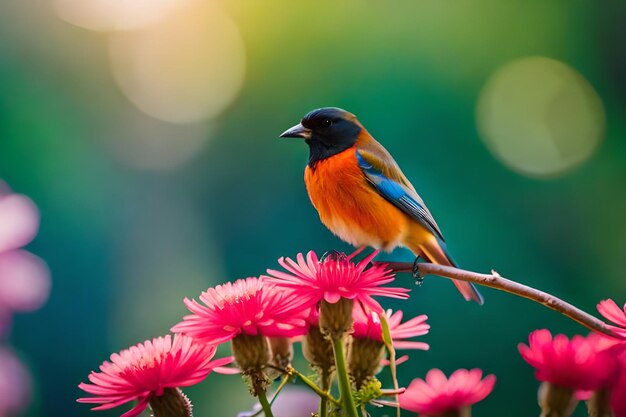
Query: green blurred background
(147, 135)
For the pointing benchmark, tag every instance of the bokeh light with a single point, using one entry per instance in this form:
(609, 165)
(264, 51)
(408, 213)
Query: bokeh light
(15, 384)
(106, 15)
(24, 278)
(167, 252)
(24, 281)
(145, 143)
(540, 117)
(187, 67)
(19, 220)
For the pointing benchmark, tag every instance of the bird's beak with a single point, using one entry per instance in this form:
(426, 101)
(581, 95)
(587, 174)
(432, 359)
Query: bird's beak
(298, 131)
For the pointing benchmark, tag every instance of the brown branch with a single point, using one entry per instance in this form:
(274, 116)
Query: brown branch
(494, 280)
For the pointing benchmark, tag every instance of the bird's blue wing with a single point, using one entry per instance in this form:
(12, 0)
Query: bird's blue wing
(397, 194)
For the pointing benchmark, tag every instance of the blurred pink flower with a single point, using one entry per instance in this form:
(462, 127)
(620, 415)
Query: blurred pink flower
(24, 281)
(399, 360)
(24, 278)
(367, 324)
(581, 364)
(335, 278)
(15, 384)
(19, 220)
(618, 399)
(437, 395)
(147, 369)
(250, 306)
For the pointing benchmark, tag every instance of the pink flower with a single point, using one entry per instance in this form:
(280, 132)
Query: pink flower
(610, 310)
(437, 395)
(19, 219)
(15, 384)
(24, 281)
(367, 324)
(24, 278)
(147, 369)
(581, 364)
(335, 278)
(618, 399)
(249, 306)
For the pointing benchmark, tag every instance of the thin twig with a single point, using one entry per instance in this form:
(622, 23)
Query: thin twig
(494, 280)
(323, 394)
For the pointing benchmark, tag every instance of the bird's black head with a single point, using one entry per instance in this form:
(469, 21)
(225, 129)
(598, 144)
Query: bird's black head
(327, 131)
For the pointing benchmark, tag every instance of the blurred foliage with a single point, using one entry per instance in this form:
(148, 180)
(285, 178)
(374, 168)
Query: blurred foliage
(127, 240)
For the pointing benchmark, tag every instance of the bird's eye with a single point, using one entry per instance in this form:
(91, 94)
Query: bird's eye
(327, 123)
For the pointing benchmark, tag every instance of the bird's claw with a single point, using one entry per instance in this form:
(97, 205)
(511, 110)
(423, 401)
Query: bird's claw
(416, 272)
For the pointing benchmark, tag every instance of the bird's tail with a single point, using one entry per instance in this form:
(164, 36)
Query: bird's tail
(434, 250)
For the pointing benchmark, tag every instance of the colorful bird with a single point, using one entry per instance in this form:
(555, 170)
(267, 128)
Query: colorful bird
(361, 194)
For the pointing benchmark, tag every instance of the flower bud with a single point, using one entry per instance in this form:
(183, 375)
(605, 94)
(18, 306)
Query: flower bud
(461, 412)
(173, 403)
(281, 355)
(318, 350)
(336, 318)
(251, 352)
(364, 359)
(282, 351)
(370, 390)
(556, 401)
(598, 405)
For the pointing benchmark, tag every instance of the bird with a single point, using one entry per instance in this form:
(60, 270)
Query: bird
(361, 194)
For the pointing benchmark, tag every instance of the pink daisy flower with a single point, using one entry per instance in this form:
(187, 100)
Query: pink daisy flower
(581, 364)
(367, 325)
(147, 369)
(335, 278)
(611, 311)
(437, 395)
(250, 306)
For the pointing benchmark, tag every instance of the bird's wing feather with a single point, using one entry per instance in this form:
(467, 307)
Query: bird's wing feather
(386, 177)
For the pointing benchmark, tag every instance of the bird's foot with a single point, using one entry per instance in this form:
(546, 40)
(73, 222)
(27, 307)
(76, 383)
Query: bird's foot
(332, 255)
(416, 272)
(356, 252)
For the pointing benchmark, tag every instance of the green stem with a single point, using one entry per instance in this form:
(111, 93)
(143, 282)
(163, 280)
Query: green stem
(284, 382)
(323, 411)
(313, 386)
(325, 379)
(388, 341)
(267, 410)
(345, 389)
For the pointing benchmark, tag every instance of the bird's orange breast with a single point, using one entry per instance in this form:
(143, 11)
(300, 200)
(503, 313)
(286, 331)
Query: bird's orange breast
(349, 206)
